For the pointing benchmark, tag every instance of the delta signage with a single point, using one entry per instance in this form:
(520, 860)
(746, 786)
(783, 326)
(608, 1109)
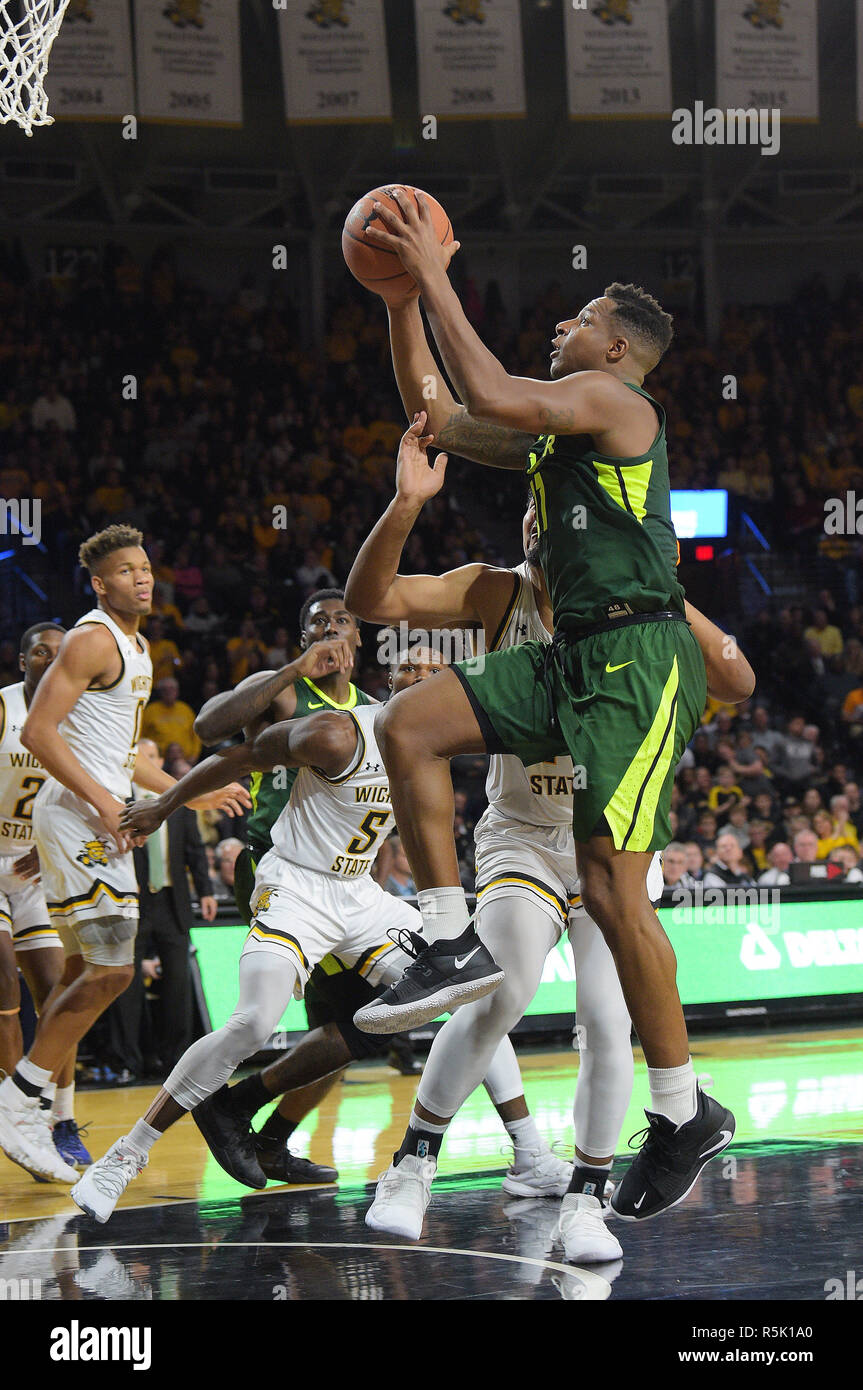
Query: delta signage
(726, 953)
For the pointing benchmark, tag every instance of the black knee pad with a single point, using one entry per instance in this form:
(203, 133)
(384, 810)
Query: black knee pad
(334, 998)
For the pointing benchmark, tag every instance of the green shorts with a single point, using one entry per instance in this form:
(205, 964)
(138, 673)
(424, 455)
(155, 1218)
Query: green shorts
(627, 702)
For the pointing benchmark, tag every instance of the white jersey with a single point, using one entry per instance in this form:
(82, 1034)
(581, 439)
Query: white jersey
(540, 794)
(21, 776)
(103, 727)
(337, 825)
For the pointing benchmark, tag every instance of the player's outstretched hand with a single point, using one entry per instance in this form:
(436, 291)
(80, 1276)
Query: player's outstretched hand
(324, 658)
(417, 480)
(412, 237)
(142, 818)
(232, 800)
(28, 865)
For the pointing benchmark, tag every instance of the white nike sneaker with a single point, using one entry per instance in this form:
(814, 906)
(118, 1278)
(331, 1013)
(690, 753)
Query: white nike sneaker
(25, 1135)
(402, 1195)
(547, 1176)
(106, 1180)
(582, 1231)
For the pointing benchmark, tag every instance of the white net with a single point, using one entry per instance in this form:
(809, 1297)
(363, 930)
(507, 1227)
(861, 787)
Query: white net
(28, 28)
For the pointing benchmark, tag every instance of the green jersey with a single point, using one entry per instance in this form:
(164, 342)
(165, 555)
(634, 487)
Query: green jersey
(606, 541)
(271, 791)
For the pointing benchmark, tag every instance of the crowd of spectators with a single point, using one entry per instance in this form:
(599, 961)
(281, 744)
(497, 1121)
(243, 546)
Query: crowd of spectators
(256, 464)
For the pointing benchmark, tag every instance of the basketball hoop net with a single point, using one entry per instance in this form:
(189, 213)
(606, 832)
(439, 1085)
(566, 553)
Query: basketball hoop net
(25, 45)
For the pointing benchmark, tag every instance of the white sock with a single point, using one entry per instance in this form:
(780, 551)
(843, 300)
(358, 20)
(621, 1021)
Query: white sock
(48, 1094)
(142, 1137)
(64, 1103)
(444, 912)
(673, 1092)
(527, 1141)
(37, 1076)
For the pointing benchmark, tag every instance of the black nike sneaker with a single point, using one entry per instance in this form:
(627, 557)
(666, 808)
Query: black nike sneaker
(444, 974)
(280, 1165)
(229, 1138)
(670, 1159)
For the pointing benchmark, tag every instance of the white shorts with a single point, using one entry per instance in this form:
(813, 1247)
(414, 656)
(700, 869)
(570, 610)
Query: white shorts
(537, 862)
(90, 888)
(23, 912)
(308, 915)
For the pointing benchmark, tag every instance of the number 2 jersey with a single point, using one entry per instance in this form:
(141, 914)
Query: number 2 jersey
(336, 825)
(21, 775)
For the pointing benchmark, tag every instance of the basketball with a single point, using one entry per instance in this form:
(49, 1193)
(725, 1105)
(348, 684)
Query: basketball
(378, 269)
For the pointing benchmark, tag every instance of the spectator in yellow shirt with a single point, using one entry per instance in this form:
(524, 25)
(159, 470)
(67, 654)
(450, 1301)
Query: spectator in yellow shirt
(843, 825)
(725, 794)
(828, 839)
(168, 719)
(828, 637)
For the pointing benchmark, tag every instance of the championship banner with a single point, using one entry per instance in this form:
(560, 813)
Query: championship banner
(188, 61)
(767, 56)
(860, 62)
(618, 61)
(90, 73)
(334, 61)
(470, 58)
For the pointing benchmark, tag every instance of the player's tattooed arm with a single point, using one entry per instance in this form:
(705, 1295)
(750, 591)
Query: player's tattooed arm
(248, 706)
(423, 387)
(483, 442)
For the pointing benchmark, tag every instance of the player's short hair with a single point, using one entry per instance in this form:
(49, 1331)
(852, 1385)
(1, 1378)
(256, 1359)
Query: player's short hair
(104, 543)
(318, 597)
(27, 637)
(643, 317)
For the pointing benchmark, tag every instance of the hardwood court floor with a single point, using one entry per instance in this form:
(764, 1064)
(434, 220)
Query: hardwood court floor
(777, 1216)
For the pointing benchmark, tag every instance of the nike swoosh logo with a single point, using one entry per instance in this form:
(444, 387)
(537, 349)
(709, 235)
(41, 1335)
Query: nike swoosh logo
(726, 1137)
(461, 961)
(640, 1200)
(609, 669)
(316, 704)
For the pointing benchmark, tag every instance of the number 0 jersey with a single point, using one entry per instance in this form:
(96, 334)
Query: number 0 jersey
(336, 825)
(21, 775)
(103, 727)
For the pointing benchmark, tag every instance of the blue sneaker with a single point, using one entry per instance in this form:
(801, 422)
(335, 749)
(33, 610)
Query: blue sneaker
(67, 1142)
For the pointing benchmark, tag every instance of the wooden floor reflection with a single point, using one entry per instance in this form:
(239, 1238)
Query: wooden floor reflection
(775, 1217)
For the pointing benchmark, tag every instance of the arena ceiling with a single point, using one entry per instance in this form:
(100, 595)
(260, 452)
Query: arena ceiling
(529, 179)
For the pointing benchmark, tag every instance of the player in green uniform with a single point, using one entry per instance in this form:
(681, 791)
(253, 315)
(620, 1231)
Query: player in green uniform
(314, 681)
(621, 689)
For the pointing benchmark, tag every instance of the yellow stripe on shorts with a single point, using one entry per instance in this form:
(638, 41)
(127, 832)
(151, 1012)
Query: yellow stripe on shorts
(631, 811)
(522, 881)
